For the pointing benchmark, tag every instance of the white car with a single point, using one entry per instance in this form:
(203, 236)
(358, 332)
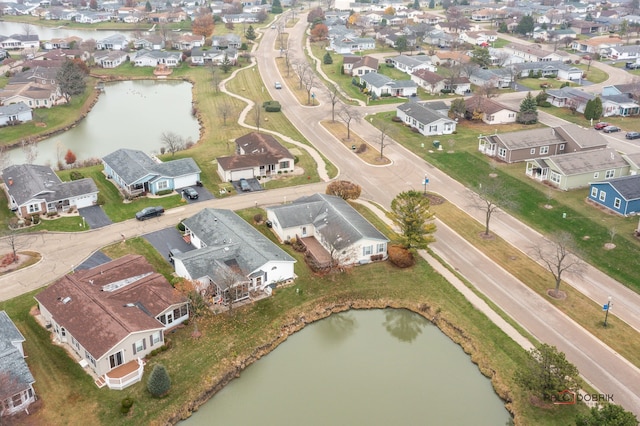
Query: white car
(277, 85)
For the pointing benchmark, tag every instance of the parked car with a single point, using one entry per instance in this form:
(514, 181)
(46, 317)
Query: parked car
(278, 85)
(244, 185)
(611, 129)
(601, 125)
(190, 193)
(632, 65)
(632, 135)
(149, 212)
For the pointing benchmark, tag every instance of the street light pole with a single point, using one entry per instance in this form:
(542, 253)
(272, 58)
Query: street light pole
(606, 308)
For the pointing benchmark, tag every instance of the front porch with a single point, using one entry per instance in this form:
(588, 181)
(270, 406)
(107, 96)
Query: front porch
(123, 375)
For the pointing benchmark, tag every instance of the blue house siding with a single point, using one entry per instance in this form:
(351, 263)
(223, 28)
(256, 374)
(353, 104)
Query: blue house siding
(607, 195)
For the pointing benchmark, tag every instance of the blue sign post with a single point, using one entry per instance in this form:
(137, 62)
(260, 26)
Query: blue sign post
(426, 181)
(313, 98)
(606, 309)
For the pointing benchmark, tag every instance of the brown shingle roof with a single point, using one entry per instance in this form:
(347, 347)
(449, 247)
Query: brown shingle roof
(482, 104)
(428, 76)
(259, 149)
(100, 319)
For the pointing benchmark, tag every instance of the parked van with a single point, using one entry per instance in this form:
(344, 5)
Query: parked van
(244, 185)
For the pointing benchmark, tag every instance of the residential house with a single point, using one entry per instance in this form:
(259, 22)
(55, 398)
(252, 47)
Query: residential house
(61, 43)
(176, 15)
(351, 44)
(152, 42)
(569, 97)
(524, 145)
(577, 169)
(428, 121)
(111, 316)
(619, 105)
(332, 231)
(226, 41)
(586, 27)
(239, 18)
(442, 57)
(630, 90)
(15, 114)
(620, 195)
(596, 45)
(479, 38)
(188, 41)
(435, 83)
(16, 392)
(33, 189)
(200, 56)
(484, 15)
(551, 69)
(20, 42)
(492, 112)
(500, 78)
(257, 155)
(624, 53)
(113, 42)
(532, 53)
(442, 39)
(110, 58)
(411, 64)
(560, 35)
(359, 65)
(153, 58)
(381, 85)
(231, 258)
(135, 173)
(32, 94)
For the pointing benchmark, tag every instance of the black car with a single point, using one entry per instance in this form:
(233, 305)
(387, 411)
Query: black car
(149, 212)
(611, 129)
(632, 135)
(190, 193)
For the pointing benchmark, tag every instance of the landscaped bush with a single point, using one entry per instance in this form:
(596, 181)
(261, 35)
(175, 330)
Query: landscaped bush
(446, 91)
(181, 227)
(164, 192)
(159, 382)
(258, 218)
(35, 218)
(415, 130)
(126, 405)
(396, 119)
(385, 95)
(545, 104)
(76, 175)
(400, 256)
(362, 148)
(272, 106)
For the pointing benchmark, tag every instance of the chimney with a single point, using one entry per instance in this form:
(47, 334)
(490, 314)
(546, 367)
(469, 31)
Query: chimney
(10, 181)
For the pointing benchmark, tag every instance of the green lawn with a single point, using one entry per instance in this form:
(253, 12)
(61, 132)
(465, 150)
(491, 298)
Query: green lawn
(196, 366)
(626, 124)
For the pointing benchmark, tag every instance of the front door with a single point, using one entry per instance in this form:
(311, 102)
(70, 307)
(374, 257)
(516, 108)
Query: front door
(116, 359)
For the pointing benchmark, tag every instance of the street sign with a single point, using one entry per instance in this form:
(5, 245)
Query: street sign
(426, 180)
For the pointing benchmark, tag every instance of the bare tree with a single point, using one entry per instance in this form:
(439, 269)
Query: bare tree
(13, 238)
(216, 77)
(334, 99)
(172, 142)
(302, 68)
(257, 112)
(348, 115)
(557, 257)
(27, 29)
(60, 151)
(224, 109)
(308, 81)
(382, 137)
(501, 58)
(287, 61)
(491, 196)
(30, 149)
(613, 231)
(487, 90)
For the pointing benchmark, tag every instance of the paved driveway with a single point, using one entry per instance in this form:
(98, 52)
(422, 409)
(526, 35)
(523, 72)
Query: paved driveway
(96, 259)
(203, 194)
(167, 239)
(253, 183)
(94, 216)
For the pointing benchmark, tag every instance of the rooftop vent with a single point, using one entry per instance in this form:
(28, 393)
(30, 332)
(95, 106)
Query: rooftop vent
(66, 300)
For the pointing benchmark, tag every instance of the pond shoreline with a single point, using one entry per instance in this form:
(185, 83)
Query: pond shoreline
(456, 334)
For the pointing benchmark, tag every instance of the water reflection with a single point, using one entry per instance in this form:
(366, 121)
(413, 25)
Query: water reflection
(404, 325)
(338, 327)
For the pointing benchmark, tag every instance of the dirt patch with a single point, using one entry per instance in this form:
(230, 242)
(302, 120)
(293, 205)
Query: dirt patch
(435, 200)
(609, 246)
(560, 295)
(486, 236)
(41, 124)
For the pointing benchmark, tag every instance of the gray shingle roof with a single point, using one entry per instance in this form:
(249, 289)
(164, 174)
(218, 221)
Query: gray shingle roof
(28, 181)
(227, 236)
(11, 360)
(333, 218)
(586, 138)
(13, 109)
(422, 113)
(132, 165)
(627, 186)
(375, 79)
(576, 163)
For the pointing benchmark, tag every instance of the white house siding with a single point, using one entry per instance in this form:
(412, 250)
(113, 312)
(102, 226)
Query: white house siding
(84, 200)
(276, 271)
(366, 248)
(103, 365)
(182, 181)
(501, 117)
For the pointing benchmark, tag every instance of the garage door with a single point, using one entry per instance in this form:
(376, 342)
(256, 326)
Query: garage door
(239, 174)
(183, 181)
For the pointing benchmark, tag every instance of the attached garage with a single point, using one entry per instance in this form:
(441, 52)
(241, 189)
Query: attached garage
(184, 181)
(239, 174)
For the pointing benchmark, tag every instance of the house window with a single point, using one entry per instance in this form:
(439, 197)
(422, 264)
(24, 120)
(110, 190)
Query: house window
(90, 358)
(555, 177)
(304, 231)
(609, 174)
(367, 250)
(594, 192)
(163, 184)
(284, 164)
(561, 147)
(116, 359)
(596, 175)
(490, 118)
(381, 248)
(421, 126)
(511, 115)
(544, 150)
(533, 151)
(33, 208)
(155, 338)
(616, 203)
(502, 152)
(139, 346)
(433, 129)
(603, 196)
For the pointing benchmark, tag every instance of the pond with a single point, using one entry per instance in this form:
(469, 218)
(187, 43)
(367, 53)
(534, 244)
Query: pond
(378, 367)
(129, 114)
(48, 33)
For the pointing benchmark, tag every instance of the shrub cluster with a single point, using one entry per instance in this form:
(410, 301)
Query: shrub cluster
(164, 192)
(76, 175)
(272, 106)
(401, 257)
(126, 405)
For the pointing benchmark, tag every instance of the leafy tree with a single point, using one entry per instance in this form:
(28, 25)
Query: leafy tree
(547, 372)
(623, 29)
(609, 415)
(70, 157)
(315, 15)
(541, 98)
(416, 4)
(327, 59)
(432, 4)
(503, 28)
(71, 80)
(588, 110)
(147, 6)
(458, 107)
(159, 381)
(276, 7)
(390, 11)
(528, 110)
(588, 18)
(401, 44)
(556, 256)
(344, 189)
(525, 26)
(251, 33)
(203, 25)
(319, 31)
(597, 108)
(93, 5)
(481, 56)
(225, 66)
(410, 211)
(348, 115)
